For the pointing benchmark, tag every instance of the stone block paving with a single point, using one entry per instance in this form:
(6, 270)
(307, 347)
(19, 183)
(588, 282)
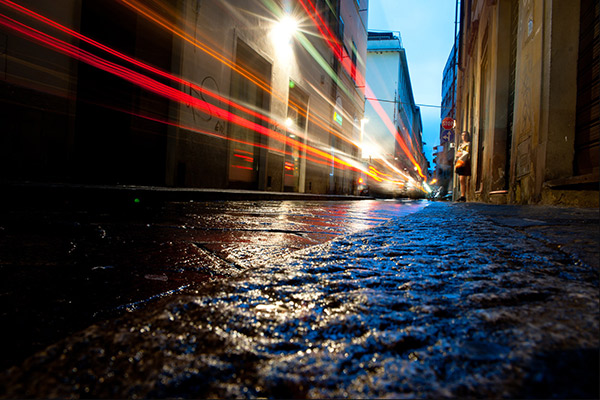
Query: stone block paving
(456, 300)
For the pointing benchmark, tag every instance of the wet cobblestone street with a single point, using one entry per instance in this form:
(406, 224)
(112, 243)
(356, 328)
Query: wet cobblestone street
(453, 300)
(67, 264)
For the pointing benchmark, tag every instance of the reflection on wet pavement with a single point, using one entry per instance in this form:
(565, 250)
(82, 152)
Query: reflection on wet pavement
(64, 268)
(440, 303)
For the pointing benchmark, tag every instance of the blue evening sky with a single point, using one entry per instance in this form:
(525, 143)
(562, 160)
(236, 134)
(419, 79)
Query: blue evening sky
(427, 31)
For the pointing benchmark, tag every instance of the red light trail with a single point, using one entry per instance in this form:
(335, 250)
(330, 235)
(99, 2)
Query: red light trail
(159, 88)
(131, 60)
(341, 54)
(146, 12)
(329, 37)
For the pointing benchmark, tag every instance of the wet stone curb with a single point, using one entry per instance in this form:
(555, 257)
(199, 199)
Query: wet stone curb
(442, 303)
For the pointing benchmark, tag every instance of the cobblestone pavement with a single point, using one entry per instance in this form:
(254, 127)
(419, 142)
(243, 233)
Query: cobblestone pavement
(456, 300)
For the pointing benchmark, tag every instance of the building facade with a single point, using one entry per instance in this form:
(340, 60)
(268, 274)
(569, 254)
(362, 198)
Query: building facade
(187, 93)
(528, 93)
(393, 133)
(444, 155)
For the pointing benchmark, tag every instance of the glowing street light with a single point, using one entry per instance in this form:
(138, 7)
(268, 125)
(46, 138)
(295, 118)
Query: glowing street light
(287, 27)
(282, 34)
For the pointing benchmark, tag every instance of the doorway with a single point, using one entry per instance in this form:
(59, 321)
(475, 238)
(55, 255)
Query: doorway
(297, 116)
(587, 131)
(246, 156)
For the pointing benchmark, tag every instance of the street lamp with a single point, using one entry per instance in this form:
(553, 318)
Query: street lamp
(282, 34)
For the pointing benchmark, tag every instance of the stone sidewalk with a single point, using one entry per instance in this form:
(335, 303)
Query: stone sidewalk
(574, 231)
(456, 300)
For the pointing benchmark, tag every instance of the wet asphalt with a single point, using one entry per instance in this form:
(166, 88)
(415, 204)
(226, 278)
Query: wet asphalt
(364, 299)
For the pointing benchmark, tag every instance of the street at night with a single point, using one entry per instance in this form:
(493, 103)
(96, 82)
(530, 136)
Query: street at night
(267, 199)
(280, 299)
